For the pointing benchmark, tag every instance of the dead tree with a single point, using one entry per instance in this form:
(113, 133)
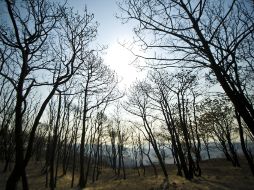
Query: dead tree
(138, 105)
(76, 124)
(6, 125)
(38, 33)
(55, 136)
(247, 153)
(216, 35)
(171, 94)
(99, 88)
(218, 117)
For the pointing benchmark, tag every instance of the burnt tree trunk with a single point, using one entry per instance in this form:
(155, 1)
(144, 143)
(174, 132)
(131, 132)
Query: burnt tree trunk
(54, 145)
(19, 167)
(245, 151)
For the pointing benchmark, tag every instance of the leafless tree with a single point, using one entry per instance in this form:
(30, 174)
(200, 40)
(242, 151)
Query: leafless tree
(112, 152)
(247, 153)
(6, 122)
(47, 41)
(76, 124)
(122, 137)
(218, 117)
(98, 87)
(216, 35)
(139, 105)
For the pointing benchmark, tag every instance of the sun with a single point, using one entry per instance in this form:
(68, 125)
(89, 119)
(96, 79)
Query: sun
(121, 60)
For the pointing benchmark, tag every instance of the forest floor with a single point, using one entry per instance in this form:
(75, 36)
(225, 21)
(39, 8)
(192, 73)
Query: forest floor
(217, 174)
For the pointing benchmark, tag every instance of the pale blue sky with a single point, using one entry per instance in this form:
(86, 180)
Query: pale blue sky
(110, 32)
(110, 28)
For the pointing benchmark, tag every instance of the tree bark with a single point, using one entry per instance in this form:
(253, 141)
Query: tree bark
(245, 151)
(54, 144)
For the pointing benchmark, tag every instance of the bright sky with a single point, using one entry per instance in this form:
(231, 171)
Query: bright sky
(112, 32)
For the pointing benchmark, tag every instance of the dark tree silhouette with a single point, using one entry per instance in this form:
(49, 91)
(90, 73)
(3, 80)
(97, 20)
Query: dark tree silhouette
(98, 86)
(217, 35)
(139, 105)
(38, 34)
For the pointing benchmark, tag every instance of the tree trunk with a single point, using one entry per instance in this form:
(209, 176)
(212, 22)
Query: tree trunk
(82, 142)
(19, 168)
(157, 152)
(119, 161)
(48, 151)
(176, 159)
(183, 125)
(152, 164)
(57, 164)
(154, 144)
(123, 166)
(245, 151)
(7, 161)
(88, 167)
(94, 166)
(242, 105)
(54, 144)
(207, 149)
(74, 157)
(99, 165)
(24, 180)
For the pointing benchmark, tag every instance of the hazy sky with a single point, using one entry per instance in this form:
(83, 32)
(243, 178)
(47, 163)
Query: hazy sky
(110, 32)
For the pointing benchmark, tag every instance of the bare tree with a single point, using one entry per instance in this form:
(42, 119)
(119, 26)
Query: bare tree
(76, 123)
(218, 116)
(140, 106)
(99, 88)
(122, 137)
(54, 143)
(173, 96)
(217, 35)
(6, 122)
(112, 152)
(39, 33)
(101, 120)
(247, 153)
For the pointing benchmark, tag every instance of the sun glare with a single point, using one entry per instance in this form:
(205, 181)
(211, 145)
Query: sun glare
(121, 60)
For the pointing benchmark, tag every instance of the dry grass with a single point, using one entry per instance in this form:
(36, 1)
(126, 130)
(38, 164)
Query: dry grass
(216, 175)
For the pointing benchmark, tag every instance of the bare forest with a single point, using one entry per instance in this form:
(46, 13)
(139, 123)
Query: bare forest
(188, 124)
